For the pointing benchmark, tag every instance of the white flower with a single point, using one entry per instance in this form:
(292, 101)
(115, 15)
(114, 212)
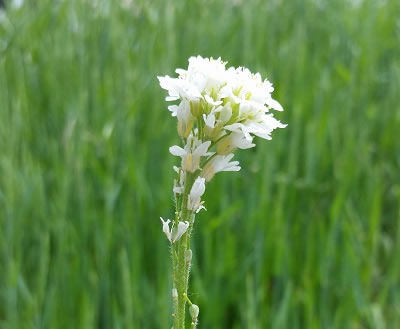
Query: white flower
(179, 88)
(219, 107)
(166, 229)
(265, 127)
(177, 189)
(233, 97)
(176, 233)
(219, 163)
(210, 101)
(209, 120)
(185, 117)
(179, 186)
(272, 103)
(191, 159)
(225, 113)
(206, 74)
(240, 128)
(215, 121)
(233, 141)
(179, 231)
(197, 190)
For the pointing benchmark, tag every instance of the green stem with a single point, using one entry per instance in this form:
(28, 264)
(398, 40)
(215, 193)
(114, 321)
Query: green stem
(180, 265)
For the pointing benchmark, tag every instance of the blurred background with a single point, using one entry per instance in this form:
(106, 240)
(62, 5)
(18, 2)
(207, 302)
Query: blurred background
(305, 236)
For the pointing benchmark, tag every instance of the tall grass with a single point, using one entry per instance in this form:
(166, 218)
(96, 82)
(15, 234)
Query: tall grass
(308, 232)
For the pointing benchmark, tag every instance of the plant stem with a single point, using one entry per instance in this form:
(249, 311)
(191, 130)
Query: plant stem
(180, 265)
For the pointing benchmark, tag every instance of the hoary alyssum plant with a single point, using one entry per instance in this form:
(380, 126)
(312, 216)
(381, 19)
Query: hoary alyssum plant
(219, 110)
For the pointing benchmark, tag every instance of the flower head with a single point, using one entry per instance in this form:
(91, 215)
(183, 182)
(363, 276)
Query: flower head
(219, 110)
(222, 100)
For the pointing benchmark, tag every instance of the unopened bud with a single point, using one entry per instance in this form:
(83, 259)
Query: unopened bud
(184, 128)
(208, 171)
(188, 256)
(174, 293)
(224, 146)
(190, 164)
(194, 311)
(195, 109)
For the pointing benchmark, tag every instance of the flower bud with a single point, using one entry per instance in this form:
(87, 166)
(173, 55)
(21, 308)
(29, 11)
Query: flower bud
(184, 128)
(208, 171)
(224, 146)
(195, 109)
(194, 311)
(174, 293)
(197, 190)
(188, 256)
(190, 163)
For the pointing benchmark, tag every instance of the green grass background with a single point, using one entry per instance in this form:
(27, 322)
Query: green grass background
(306, 235)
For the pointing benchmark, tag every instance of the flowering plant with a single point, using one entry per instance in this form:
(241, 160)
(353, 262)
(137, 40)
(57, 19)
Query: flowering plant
(219, 110)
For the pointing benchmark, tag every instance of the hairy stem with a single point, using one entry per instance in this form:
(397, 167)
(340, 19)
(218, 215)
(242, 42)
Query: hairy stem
(181, 265)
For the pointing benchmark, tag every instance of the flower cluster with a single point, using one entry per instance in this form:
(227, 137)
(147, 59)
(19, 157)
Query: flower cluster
(219, 110)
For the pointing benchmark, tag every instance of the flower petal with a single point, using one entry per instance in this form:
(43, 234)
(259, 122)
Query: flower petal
(201, 150)
(177, 151)
(166, 229)
(274, 104)
(179, 231)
